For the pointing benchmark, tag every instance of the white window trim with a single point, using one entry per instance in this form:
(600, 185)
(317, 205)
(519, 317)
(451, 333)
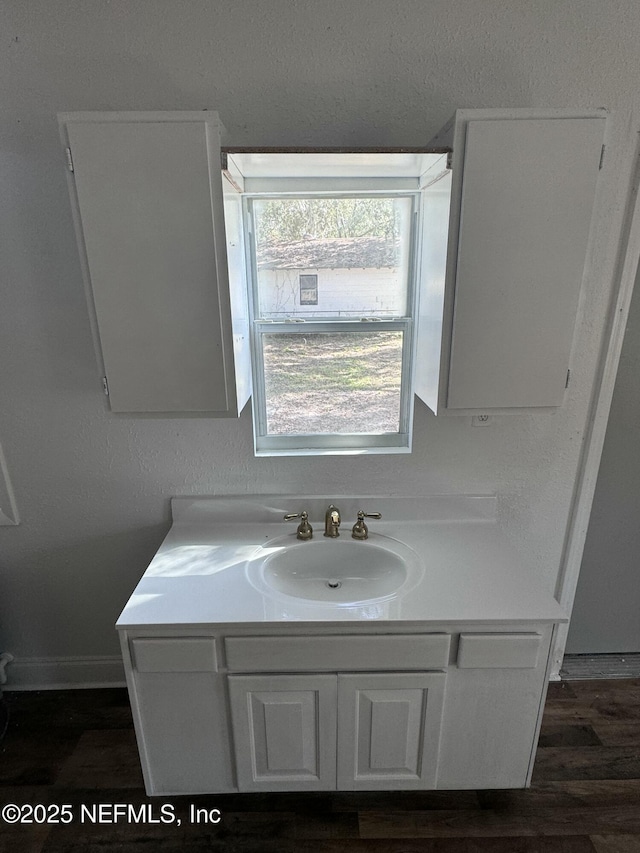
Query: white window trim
(332, 443)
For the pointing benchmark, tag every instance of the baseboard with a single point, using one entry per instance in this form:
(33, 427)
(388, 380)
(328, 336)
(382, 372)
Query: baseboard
(587, 667)
(64, 673)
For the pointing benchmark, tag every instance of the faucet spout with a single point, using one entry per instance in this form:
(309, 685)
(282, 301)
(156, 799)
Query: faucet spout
(332, 522)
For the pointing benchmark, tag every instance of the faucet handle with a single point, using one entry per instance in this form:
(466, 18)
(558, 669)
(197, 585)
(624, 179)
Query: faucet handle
(360, 529)
(305, 530)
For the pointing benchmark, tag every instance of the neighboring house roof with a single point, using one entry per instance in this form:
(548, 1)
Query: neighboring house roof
(329, 253)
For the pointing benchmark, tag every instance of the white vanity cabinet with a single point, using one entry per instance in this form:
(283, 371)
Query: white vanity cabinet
(285, 709)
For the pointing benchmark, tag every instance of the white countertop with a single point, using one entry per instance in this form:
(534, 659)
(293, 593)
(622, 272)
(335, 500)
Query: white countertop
(468, 573)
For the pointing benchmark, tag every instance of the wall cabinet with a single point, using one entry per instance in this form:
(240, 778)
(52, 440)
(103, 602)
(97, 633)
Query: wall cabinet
(459, 709)
(147, 196)
(503, 245)
(505, 294)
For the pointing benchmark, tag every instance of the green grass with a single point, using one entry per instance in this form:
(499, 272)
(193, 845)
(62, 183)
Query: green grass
(328, 362)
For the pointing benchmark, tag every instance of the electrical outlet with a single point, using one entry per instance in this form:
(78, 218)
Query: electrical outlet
(481, 420)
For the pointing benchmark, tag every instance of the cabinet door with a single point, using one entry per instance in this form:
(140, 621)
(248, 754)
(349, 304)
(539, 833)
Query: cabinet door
(522, 198)
(179, 705)
(493, 708)
(284, 730)
(148, 203)
(389, 730)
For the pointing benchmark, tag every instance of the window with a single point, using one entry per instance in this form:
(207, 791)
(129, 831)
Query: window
(332, 367)
(308, 290)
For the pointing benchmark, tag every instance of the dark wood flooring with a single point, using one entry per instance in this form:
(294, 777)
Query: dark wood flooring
(77, 748)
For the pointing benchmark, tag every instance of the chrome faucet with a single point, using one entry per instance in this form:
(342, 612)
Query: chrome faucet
(332, 522)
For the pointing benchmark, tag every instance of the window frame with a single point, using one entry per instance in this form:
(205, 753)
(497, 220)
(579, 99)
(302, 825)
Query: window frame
(307, 288)
(300, 444)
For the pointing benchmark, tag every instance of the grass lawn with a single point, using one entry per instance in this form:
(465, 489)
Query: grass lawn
(333, 382)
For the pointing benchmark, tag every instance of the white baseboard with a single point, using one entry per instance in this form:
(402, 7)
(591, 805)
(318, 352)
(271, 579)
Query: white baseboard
(64, 673)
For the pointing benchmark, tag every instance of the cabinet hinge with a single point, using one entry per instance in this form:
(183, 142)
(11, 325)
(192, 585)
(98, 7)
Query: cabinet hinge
(67, 152)
(601, 157)
(105, 386)
(449, 159)
(566, 384)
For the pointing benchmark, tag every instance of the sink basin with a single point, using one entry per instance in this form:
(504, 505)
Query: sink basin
(339, 571)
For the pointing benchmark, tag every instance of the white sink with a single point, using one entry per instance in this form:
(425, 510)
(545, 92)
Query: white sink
(341, 571)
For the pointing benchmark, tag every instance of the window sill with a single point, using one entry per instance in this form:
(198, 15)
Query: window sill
(347, 450)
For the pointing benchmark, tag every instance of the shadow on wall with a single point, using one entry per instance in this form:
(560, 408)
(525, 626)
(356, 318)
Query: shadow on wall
(74, 590)
(605, 612)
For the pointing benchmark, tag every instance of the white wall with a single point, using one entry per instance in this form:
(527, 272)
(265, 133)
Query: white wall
(375, 291)
(606, 615)
(92, 488)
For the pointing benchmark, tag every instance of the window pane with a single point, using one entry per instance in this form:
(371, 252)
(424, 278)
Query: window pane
(308, 290)
(332, 382)
(357, 248)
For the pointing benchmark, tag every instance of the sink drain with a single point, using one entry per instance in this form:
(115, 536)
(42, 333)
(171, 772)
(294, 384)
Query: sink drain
(334, 584)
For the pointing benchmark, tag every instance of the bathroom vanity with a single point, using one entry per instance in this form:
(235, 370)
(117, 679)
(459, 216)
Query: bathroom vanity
(417, 658)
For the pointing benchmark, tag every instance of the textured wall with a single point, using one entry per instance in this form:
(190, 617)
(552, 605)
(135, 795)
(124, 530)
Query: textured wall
(93, 488)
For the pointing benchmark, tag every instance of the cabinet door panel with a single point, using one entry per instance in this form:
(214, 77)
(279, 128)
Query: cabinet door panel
(183, 737)
(178, 654)
(389, 730)
(528, 188)
(148, 197)
(336, 654)
(436, 201)
(499, 651)
(284, 730)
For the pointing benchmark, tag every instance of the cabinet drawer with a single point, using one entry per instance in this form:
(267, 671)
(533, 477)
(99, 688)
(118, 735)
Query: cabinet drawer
(484, 651)
(337, 653)
(182, 654)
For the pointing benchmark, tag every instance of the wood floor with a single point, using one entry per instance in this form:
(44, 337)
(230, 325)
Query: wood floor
(77, 748)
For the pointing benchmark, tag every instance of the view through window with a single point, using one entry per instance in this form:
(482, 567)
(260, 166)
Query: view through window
(331, 302)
